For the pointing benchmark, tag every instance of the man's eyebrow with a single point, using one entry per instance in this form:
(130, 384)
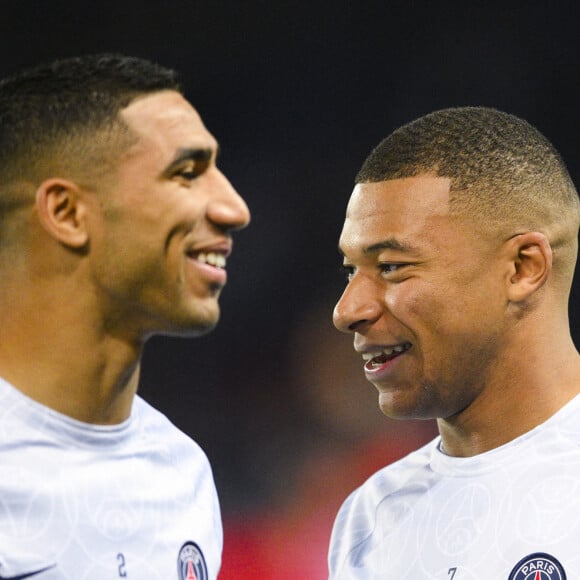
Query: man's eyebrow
(200, 154)
(389, 244)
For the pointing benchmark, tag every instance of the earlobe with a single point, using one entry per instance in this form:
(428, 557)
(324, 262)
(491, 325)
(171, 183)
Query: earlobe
(532, 264)
(62, 212)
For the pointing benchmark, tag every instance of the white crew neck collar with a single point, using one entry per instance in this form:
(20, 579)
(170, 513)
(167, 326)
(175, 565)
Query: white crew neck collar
(67, 429)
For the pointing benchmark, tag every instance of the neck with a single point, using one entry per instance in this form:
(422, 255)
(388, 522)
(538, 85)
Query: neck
(59, 352)
(535, 384)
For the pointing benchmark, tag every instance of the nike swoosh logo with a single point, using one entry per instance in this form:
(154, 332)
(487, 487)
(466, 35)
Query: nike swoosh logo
(29, 574)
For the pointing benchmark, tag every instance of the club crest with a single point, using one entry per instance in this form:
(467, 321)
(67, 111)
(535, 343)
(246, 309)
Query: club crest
(538, 566)
(191, 563)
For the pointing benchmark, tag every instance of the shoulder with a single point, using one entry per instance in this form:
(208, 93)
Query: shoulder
(567, 421)
(167, 441)
(356, 518)
(410, 470)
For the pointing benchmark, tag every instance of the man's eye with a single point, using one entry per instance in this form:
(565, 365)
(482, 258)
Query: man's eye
(188, 172)
(191, 170)
(388, 267)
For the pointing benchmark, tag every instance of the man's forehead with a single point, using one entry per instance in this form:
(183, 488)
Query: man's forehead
(167, 112)
(395, 214)
(420, 195)
(157, 104)
(165, 124)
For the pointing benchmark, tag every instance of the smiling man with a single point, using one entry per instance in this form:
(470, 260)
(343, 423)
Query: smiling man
(115, 225)
(460, 243)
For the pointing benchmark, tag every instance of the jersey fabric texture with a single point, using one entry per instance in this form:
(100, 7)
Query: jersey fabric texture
(88, 502)
(431, 516)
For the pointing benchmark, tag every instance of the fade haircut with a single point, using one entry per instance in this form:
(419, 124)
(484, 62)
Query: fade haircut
(64, 117)
(500, 167)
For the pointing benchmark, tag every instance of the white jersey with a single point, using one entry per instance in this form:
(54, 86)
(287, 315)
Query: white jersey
(512, 513)
(86, 502)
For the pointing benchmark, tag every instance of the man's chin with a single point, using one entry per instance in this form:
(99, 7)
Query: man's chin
(191, 326)
(199, 326)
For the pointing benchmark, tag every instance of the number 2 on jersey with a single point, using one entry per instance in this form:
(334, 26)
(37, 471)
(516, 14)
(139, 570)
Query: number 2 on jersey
(122, 564)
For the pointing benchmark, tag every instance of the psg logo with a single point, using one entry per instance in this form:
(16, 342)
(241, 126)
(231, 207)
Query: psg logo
(538, 566)
(191, 563)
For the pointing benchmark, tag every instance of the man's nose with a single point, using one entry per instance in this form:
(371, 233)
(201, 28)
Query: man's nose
(358, 306)
(227, 209)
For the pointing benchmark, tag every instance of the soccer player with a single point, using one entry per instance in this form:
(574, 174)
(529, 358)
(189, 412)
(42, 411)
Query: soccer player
(459, 244)
(115, 225)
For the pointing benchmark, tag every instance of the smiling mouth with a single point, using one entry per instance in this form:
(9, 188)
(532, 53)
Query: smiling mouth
(377, 358)
(211, 258)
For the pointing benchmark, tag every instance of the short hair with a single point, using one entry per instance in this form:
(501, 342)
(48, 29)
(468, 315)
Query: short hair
(499, 166)
(66, 114)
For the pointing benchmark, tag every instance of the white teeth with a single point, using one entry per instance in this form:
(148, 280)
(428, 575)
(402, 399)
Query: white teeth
(367, 356)
(213, 259)
(371, 355)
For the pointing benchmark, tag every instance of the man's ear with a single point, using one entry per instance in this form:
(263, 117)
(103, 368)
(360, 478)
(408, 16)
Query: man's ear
(531, 262)
(61, 211)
